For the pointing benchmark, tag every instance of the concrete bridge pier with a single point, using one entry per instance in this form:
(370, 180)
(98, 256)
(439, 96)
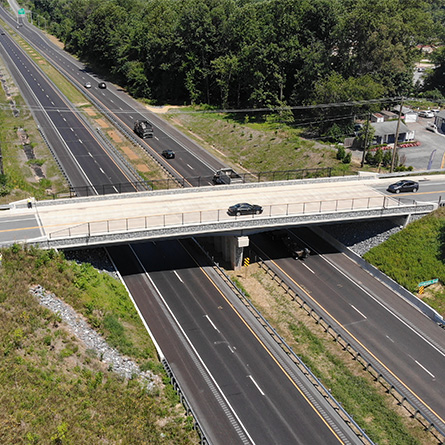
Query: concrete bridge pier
(231, 248)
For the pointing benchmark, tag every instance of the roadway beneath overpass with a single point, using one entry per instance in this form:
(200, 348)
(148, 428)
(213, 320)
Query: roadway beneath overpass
(114, 219)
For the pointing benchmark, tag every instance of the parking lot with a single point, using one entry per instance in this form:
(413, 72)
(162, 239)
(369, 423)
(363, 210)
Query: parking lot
(419, 156)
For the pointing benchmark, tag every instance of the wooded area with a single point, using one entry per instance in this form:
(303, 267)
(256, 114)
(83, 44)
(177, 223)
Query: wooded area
(250, 53)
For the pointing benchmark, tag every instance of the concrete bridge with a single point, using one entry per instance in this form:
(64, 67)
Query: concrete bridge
(114, 219)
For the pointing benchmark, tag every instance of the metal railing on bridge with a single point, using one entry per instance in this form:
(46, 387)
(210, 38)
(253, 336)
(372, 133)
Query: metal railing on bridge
(212, 216)
(197, 181)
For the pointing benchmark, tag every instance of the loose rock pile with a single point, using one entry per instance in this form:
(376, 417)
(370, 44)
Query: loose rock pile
(363, 236)
(118, 363)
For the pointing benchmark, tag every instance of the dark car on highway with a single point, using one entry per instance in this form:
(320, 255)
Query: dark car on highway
(168, 154)
(404, 185)
(102, 85)
(244, 208)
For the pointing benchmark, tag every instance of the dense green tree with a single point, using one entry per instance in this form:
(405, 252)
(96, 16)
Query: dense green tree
(251, 53)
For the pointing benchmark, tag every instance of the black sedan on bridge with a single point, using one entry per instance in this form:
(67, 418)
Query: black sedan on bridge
(404, 185)
(244, 208)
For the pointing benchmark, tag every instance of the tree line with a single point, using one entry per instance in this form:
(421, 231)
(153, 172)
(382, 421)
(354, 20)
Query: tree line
(248, 53)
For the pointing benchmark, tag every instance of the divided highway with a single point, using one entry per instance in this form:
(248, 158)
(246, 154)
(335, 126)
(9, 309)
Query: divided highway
(73, 142)
(408, 347)
(191, 161)
(242, 386)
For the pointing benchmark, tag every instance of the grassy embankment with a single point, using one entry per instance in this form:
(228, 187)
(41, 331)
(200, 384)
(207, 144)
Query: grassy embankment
(52, 389)
(265, 145)
(414, 255)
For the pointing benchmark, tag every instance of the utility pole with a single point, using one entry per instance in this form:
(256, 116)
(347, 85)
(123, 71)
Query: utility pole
(365, 146)
(397, 137)
(1, 161)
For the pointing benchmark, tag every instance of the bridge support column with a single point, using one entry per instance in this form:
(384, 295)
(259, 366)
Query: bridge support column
(232, 249)
(402, 221)
(236, 246)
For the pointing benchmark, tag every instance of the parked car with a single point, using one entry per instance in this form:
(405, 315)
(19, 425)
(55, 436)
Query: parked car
(102, 85)
(244, 209)
(426, 113)
(405, 185)
(432, 127)
(87, 85)
(168, 154)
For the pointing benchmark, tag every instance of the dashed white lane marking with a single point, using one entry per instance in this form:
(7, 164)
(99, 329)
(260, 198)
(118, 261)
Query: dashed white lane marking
(179, 278)
(353, 307)
(256, 384)
(426, 370)
(307, 267)
(211, 322)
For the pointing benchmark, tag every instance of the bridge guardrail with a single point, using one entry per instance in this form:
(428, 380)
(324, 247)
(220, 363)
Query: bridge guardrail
(318, 207)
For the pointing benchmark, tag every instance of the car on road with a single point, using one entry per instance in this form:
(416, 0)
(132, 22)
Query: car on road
(427, 113)
(87, 85)
(168, 154)
(102, 85)
(244, 208)
(405, 185)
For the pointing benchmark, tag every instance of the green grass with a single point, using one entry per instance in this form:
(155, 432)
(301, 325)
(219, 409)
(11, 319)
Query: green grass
(358, 395)
(52, 390)
(256, 146)
(416, 254)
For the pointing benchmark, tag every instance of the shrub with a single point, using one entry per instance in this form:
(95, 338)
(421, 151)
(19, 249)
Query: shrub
(340, 152)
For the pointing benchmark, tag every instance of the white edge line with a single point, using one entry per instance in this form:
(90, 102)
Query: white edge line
(158, 348)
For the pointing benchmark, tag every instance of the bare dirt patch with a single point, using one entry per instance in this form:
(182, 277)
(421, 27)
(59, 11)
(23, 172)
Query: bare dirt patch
(161, 110)
(142, 168)
(115, 136)
(130, 153)
(102, 123)
(55, 41)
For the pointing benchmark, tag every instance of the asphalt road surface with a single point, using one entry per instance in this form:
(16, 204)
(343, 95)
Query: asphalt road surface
(74, 144)
(265, 404)
(409, 347)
